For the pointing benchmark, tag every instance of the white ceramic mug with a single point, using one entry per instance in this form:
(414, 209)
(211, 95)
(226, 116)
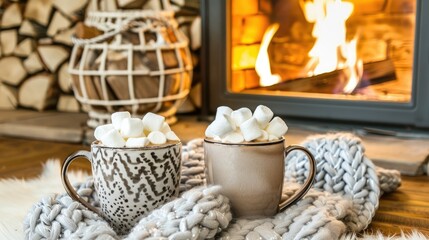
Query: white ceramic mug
(130, 182)
(252, 174)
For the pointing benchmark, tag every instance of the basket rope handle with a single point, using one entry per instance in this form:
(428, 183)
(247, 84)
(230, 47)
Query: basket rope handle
(124, 27)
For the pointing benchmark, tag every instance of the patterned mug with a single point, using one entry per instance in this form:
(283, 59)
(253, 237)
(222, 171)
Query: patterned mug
(252, 174)
(129, 182)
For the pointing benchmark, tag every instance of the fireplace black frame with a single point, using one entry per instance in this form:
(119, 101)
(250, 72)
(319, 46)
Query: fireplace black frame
(215, 61)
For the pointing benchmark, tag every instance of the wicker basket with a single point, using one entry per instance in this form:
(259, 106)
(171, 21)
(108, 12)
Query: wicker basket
(140, 64)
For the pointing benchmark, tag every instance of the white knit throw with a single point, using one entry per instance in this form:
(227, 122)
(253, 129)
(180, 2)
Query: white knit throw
(342, 202)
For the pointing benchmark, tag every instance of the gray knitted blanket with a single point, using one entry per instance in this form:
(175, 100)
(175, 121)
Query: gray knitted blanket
(342, 201)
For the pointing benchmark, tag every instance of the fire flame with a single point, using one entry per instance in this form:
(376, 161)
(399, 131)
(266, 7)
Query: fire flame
(331, 51)
(262, 65)
(354, 65)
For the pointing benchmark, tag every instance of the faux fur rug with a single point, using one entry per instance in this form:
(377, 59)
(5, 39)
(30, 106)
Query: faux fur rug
(17, 197)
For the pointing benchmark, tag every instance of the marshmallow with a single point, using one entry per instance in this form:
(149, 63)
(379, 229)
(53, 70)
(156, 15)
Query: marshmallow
(277, 127)
(171, 136)
(263, 115)
(272, 137)
(241, 115)
(132, 127)
(165, 128)
(101, 130)
(263, 137)
(209, 133)
(113, 139)
(137, 142)
(220, 111)
(250, 129)
(117, 118)
(221, 126)
(233, 137)
(157, 137)
(153, 122)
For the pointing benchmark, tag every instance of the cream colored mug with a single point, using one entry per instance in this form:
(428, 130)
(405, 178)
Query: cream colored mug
(252, 174)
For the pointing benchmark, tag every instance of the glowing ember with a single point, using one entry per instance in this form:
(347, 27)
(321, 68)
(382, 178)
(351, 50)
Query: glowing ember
(262, 66)
(331, 51)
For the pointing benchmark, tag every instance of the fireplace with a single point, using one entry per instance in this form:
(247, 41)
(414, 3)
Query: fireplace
(355, 61)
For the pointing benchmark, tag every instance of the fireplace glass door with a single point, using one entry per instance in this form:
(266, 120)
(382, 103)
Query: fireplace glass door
(328, 49)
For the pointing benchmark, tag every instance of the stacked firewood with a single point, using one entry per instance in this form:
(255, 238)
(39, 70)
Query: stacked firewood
(35, 45)
(36, 42)
(187, 13)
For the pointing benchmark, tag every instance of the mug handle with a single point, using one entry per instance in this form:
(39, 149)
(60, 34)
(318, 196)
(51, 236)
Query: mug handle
(69, 188)
(307, 184)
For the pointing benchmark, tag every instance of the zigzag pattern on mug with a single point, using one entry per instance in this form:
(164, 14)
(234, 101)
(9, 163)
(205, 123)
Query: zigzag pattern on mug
(114, 166)
(116, 176)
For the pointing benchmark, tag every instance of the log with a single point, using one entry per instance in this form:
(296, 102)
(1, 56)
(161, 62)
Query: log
(131, 4)
(33, 63)
(92, 6)
(8, 40)
(11, 70)
(333, 82)
(27, 29)
(153, 5)
(45, 41)
(196, 33)
(25, 48)
(68, 103)
(65, 36)
(58, 23)
(144, 86)
(68, 7)
(88, 86)
(91, 86)
(378, 72)
(107, 5)
(195, 95)
(8, 97)
(170, 59)
(193, 101)
(39, 11)
(64, 78)
(85, 32)
(188, 4)
(186, 107)
(38, 92)
(12, 16)
(52, 56)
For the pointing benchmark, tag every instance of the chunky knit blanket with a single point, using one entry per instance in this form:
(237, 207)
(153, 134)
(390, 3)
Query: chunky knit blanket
(342, 201)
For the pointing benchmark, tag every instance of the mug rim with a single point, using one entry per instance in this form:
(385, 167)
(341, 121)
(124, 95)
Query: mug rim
(98, 144)
(282, 139)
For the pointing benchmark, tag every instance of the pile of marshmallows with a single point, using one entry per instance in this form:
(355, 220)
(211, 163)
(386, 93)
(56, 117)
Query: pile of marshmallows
(125, 131)
(241, 125)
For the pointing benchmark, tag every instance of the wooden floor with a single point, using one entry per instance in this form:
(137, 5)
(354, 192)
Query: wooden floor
(406, 209)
